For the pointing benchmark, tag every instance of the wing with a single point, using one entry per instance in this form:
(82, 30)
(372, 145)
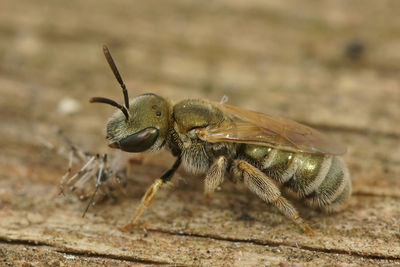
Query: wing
(260, 129)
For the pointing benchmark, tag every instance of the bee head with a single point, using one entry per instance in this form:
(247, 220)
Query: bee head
(141, 124)
(144, 129)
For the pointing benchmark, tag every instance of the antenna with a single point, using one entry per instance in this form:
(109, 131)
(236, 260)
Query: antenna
(110, 102)
(114, 69)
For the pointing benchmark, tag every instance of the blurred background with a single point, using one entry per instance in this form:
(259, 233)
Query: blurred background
(334, 65)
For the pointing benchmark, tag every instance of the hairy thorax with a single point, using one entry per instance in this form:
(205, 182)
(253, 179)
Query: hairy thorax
(197, 155)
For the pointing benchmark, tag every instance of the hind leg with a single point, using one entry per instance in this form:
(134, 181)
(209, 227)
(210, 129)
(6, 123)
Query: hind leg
(267, 190)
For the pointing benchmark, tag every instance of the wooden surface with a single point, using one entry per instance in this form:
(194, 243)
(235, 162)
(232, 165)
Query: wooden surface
(283, 58)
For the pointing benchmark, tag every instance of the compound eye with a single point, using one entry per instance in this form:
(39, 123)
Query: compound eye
(137, 142)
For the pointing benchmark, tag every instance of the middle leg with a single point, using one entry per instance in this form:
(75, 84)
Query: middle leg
(267, 190)
(215, 176)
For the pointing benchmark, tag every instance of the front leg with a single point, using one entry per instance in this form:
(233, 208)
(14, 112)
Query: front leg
(215, 176)
(151, 192)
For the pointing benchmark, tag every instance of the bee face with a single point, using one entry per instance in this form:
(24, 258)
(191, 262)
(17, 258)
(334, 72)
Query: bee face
(146, 127)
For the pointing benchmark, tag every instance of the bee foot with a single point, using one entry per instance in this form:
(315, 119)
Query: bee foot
(126, 228)
(307, 230)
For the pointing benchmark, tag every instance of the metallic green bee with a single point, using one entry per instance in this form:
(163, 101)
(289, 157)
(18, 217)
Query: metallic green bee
(265, 153)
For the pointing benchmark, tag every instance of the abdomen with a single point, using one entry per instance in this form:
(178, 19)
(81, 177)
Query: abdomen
(322, 181)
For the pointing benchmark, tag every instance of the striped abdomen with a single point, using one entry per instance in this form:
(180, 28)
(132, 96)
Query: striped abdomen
(321, 180)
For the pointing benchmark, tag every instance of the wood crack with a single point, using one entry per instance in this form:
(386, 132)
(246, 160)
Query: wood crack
(82, 253)
(114, 257)
(277, 244)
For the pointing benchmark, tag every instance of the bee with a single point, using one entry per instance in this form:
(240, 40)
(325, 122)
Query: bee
(270, 155)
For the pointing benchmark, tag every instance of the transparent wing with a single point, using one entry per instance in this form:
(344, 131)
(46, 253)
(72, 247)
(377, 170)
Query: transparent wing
(256, 128)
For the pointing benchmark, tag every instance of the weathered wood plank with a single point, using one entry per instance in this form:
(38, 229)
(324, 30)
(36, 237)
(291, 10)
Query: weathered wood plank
(368, 229)
(68, 233)
(279, 58)
(42, 255)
